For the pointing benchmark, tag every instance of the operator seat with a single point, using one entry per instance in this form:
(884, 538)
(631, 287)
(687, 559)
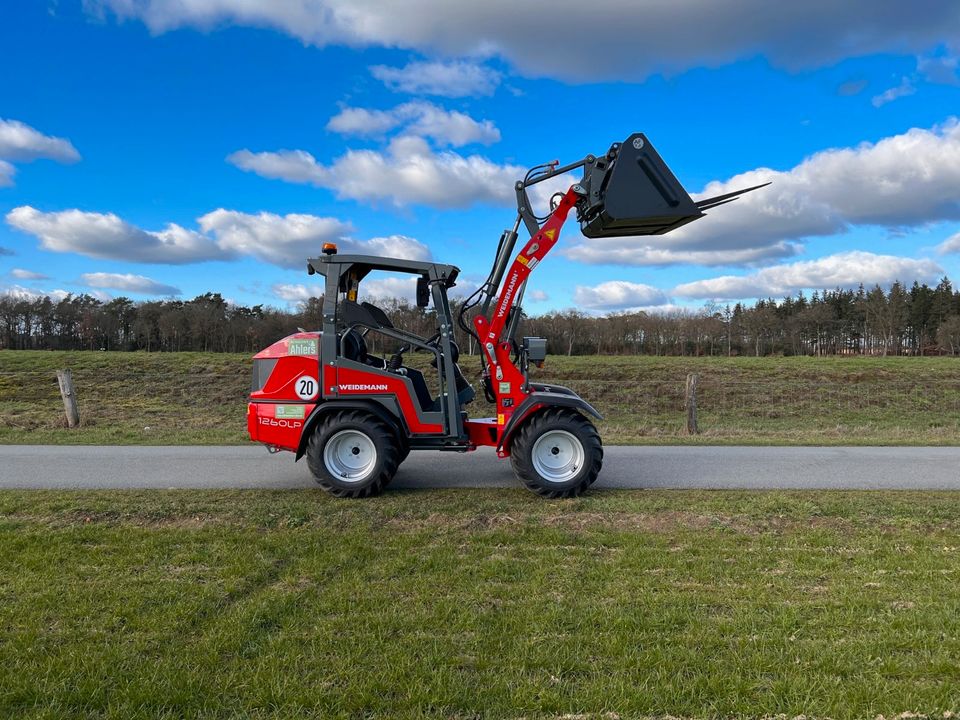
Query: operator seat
(465, 391)
(378, 315)
(354, 346)
(416, 378)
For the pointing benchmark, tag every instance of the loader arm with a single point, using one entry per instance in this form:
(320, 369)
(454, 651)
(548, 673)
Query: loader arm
(628, 191)
(491, 330)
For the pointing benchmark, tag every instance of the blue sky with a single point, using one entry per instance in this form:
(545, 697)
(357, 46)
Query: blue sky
(155, 148)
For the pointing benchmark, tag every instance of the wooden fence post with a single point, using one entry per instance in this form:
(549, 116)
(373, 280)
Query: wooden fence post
(691, 404)
(65, 380)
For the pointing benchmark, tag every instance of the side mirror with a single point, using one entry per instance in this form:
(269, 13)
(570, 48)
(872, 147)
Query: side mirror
(423, 291)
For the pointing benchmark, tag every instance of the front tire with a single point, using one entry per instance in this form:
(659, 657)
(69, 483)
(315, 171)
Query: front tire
(353, 454)
(557, 453)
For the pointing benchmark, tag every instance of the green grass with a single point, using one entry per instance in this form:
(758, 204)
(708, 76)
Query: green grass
(478, 604)
(125, 398)
(200, 398)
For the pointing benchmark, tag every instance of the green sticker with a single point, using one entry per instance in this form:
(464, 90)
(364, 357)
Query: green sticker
(302, 347)
(504, 388)
(289, 412)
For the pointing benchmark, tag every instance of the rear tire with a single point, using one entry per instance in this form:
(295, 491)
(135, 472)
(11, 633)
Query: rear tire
(353, 454)
(557, 453)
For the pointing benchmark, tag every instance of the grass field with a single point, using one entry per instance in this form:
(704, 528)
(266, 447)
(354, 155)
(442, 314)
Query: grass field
(200, 398)
(485, 604)
(478, 604)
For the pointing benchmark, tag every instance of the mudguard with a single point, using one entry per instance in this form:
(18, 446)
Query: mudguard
(370, 406)
(543, 396)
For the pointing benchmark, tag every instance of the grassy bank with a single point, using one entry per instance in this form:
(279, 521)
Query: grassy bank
(478, 604)
(200, 398)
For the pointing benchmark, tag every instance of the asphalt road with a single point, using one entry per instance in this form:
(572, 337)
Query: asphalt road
(89, 467)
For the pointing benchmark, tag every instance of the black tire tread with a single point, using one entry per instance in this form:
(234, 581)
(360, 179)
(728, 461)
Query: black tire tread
(372, 424)
(520, 450)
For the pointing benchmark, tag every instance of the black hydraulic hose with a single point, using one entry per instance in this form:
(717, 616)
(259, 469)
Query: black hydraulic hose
(493, 268)
(467, 306)
(509, 241)
(556, 171)
(517, 312)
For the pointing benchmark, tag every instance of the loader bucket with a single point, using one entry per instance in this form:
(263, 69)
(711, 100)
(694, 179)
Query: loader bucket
(639, 195)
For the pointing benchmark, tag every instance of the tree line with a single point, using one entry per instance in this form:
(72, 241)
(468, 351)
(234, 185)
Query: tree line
(919, 320)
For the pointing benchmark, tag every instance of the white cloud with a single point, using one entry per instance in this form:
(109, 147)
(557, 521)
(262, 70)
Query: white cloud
(394, 246)
(903, 180)
(538, 296)
(296, 166)
(424, 119)
(106, 236)
(409, 172)
(942, 68)
(404, 287)
(127, 282)
(21, 293)
(385, 288)
(451, 127)
(371, 290)
(375, 288)
(448, 79)
(21, 274)
(556, 42)
(627, 251)
(618, 295)
(295, 293)
(666, 310)
(7, 171)
(284, 240)
(950, 245)
(21, 143)
(289, 240)
(846, 270)
(898, 91)
(364, 122)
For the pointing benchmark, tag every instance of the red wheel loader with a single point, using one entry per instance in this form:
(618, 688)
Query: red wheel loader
(356, 416)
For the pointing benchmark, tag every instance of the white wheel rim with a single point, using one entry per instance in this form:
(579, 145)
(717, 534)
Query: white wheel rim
(557, 456)
(350, 456)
